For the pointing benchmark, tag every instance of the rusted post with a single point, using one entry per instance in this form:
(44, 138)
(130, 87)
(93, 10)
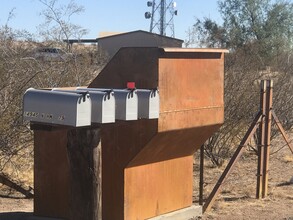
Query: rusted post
(201, 175)
(267, 141)
(210, 200)
(261, 136)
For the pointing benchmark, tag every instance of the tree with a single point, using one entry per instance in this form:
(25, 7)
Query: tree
(206, 33)
(19, 70)
(57, 25)
(265, 26)
(259, 35)
(15, 75)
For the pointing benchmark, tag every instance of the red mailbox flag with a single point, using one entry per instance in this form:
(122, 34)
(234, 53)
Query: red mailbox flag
(130, 85)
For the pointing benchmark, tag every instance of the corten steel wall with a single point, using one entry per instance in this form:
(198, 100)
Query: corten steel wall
(51, 174)
(147, 164)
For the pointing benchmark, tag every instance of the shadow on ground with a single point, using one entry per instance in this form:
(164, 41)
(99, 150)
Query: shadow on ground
(12, 197)
(22, 216)
(16, 216)
(285, 184)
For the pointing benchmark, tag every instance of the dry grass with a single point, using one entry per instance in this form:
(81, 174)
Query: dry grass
(237, 198)
(18, 169)
(288, 159)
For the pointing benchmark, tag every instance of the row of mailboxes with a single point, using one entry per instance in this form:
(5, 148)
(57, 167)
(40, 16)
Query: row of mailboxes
(126, 102)
(102, 104)
(84, 106)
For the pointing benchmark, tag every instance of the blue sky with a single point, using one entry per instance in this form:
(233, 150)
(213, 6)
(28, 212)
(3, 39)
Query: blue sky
(109, 15)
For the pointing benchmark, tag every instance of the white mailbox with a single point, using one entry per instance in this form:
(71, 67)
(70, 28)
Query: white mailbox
(103, 104)
(126, 102)
(103, 110)
(50, 107)
(148, 103)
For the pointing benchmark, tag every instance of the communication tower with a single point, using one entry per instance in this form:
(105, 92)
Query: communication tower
(162, 16)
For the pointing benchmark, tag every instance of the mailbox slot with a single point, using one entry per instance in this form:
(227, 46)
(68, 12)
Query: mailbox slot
(50, 107)
(148, 103)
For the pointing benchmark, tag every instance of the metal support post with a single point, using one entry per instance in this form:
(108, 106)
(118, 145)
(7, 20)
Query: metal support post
(234, 159)
(261, 136)
(264, 117)
(201, 175)
(267, 141)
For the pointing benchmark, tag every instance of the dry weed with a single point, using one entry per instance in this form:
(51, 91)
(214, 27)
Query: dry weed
(288, 159)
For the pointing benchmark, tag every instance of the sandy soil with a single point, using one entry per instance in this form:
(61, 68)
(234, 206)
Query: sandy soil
(237, 199)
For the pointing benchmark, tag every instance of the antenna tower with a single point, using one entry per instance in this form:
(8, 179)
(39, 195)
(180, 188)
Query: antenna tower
(162, 16)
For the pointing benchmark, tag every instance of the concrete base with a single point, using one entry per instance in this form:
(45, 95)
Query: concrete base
(182, 214)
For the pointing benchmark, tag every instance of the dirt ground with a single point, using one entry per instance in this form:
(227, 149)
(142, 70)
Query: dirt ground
(237, 200)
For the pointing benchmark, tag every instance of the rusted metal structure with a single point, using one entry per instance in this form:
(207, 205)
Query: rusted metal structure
(152, 172)
(147, 165)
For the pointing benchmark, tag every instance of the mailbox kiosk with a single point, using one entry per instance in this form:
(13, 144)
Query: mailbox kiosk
(135, 169)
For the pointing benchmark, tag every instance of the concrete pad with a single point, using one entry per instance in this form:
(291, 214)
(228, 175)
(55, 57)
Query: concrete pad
(182, 214)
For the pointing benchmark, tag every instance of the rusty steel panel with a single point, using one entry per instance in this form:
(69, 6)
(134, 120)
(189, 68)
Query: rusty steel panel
(139, 65)
(174, 144)
(191, 90)
(147, 164)
(158, 188)
(157, 180)
(121, 142)
(182, 119)
(51, 174)
(190, 82)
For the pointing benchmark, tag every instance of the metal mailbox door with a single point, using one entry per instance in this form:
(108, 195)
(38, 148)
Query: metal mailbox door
(126, 102)
(50, 107)
(103, 110)
(148, 103)
(103, 104)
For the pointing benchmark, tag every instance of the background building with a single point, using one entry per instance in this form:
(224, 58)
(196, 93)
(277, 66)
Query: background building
(111, 43)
